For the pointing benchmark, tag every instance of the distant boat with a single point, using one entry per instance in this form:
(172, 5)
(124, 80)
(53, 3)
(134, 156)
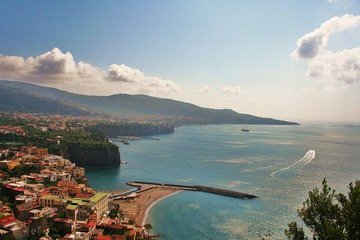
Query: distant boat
(245, 129)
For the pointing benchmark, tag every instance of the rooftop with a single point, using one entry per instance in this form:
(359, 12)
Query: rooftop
(98, 196)
(71, 206)
(7, 219)
(50, 197)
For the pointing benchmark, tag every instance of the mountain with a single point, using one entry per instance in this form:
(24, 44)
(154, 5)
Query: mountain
(17, 100)
(121, 105)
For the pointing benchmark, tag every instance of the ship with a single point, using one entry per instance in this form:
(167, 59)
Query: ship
(245, 129)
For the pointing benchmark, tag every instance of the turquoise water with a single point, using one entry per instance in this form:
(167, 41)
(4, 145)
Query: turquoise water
(273, 162)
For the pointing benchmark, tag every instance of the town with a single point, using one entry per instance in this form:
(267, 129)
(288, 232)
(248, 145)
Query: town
(46, 196)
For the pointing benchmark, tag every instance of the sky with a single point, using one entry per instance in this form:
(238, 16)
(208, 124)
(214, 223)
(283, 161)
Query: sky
(292, 60)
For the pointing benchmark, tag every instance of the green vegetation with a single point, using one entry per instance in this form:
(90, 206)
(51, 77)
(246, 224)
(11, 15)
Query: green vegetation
(17, 100)
(21, 170)
(115, 212)
(24, 170)
(24, 97)
(55, 140)
(329, 215)
(148, 227)
(4, 199)
(85, 148)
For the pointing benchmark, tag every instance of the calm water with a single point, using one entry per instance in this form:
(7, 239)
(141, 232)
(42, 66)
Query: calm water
(273, 162)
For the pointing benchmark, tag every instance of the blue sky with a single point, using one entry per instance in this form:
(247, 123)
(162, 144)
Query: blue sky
(222, 54)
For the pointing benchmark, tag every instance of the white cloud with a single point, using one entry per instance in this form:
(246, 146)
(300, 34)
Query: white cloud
(50, 66)
(203, 89)
(87, 71)
(342, 66)
(312, 44)
(227, 90)
(53, 63)
(333, 68)
(158, 85)
(332, 1)
(10, 64)
(55, 67)
(123, 73)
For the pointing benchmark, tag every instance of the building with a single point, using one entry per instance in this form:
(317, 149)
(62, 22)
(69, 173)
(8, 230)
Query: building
(37, 151)
(81, 208)
(21, 211)
(63, 225)
(50, 201)
(29, 198)
(71, 187)
(79, 172)
(17, 227)
(11, 191)
(101, 203)
(9, 164)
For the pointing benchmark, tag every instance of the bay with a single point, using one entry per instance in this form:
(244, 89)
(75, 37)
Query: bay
(280, 164)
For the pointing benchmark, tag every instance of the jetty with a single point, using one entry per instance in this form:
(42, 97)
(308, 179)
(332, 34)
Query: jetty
(135, 203)
(141, 186)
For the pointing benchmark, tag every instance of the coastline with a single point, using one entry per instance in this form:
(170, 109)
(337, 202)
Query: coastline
(147, 210)
(137, 208)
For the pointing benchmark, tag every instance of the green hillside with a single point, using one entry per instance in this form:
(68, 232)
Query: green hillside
(16, 100)
(132, 105)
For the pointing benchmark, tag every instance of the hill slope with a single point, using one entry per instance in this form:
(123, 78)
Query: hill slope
(16, 100)
(134, 105)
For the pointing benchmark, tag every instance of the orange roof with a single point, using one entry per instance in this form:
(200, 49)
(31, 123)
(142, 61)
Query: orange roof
(83, 195)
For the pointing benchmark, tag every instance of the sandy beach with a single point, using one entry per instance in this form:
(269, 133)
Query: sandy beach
(138, 207)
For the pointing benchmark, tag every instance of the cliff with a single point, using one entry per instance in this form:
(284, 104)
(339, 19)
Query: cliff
(93, 156)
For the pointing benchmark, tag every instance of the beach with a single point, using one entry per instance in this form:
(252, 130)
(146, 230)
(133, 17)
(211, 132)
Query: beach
(136, 208)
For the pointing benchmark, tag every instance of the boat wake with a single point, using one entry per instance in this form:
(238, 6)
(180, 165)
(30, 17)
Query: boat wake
(305, 160)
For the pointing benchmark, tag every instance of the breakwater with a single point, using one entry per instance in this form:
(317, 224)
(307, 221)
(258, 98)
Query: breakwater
(143, 185)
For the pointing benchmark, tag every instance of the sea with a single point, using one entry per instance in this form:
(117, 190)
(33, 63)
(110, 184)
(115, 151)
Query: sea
(280, 164)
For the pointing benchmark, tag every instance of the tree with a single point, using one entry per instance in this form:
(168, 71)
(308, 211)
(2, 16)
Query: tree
(294, 232)
(113, 213)
(148, 227)
(351, 211)
(4, 199)
(329, 215)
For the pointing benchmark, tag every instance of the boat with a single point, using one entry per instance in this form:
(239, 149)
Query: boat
(245, 129)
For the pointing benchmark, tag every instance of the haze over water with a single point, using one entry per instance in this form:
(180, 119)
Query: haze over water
(280, 164)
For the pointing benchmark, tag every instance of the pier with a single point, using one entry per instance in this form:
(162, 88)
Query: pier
(143, 186)
(135, 203)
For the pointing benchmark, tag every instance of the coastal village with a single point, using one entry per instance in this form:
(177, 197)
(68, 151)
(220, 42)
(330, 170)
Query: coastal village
(53, 203)
(46, 196)
(44, 191)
